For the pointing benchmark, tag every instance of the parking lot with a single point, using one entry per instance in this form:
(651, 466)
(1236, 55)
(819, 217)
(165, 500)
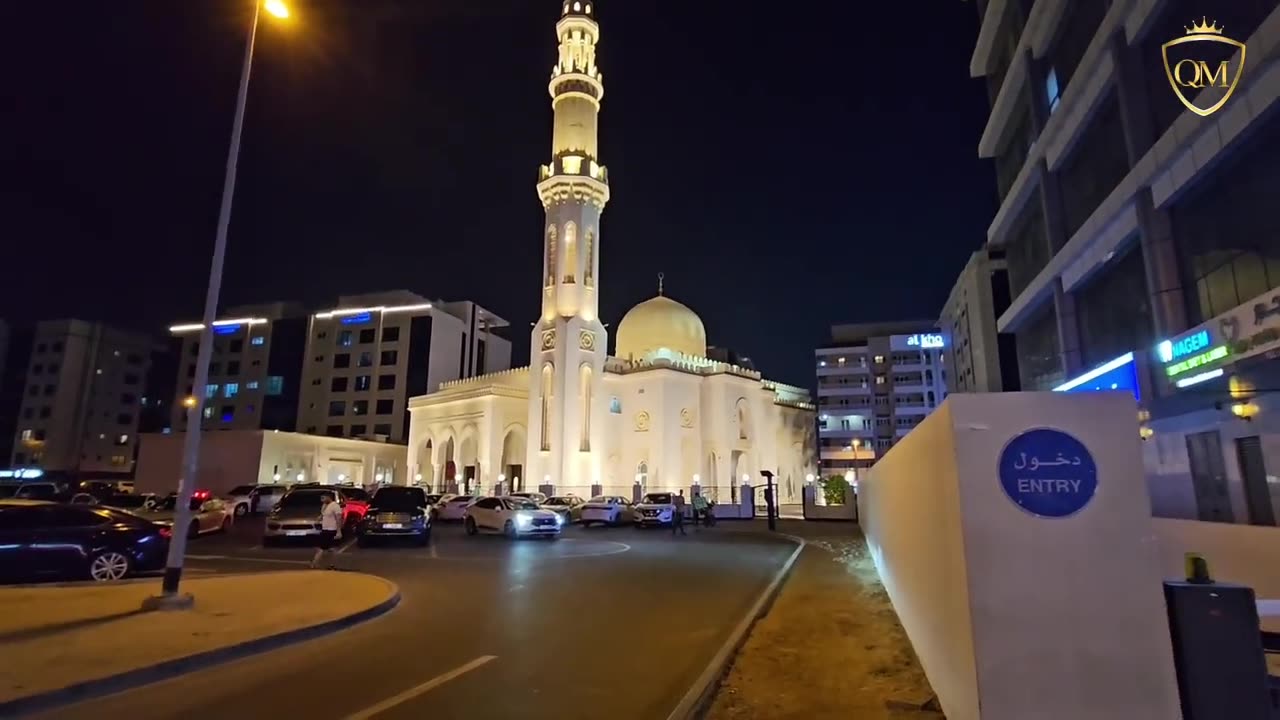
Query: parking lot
(604, 621)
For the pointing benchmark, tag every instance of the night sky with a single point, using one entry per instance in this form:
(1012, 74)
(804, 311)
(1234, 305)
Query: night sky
(786, 169)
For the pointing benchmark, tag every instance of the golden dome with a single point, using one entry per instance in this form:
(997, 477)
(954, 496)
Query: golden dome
(660, 323)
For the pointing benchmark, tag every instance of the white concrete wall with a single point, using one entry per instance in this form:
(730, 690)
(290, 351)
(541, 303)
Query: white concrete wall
(1242, 554)
(1016, 616)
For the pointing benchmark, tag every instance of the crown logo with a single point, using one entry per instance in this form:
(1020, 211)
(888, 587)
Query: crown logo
(1203, 28)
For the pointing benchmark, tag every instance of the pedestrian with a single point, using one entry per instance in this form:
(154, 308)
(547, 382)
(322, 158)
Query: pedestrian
(330, 529)
(699, 509)
(677, 517)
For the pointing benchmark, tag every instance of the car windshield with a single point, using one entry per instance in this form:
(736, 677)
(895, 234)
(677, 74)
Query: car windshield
(399, 498)
(241, 490)
(601, 499)
(657, 499)
(460, 498)
(355, 494)
(171, 503)
(433, 499)
(520, 504)
(560, 500)
(305, 499)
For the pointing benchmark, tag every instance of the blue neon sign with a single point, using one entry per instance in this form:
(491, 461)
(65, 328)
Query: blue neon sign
(357, 319)
(926, 340)
(226, 329)
(1171, 350)
(1118, 374)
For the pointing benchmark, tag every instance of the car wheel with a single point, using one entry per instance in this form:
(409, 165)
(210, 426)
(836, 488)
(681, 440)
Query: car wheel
(109, 565)
(586, 524)
(193, 530)
(509, 529)
(241, 510)
(471, 526)
(226, 524)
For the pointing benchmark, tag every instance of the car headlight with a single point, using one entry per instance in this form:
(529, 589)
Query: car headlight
(559, 519)
(523, 520)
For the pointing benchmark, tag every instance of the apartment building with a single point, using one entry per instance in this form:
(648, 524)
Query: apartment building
(980, 357)
(81, 394)
(254, 369)
(369, 355)
(1141, 238)
(876, 382)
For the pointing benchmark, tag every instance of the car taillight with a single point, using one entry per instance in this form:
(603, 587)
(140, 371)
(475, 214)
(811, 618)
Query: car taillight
(166, 533)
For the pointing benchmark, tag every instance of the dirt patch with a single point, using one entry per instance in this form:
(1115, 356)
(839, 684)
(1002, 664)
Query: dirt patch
(830, 647)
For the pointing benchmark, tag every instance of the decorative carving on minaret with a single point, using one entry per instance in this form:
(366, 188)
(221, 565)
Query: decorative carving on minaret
(589, 276)
(549, 339)
(587, 341)
(551, 256)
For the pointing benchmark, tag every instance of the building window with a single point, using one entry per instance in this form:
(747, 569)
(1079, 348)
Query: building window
(346, 338)
(359, 430)
(570, 254)
(337, 408)
(382, 429)
(879, 379)
(210, 390)
(390, 334)
(589, 272)
(237, 345)
(258, 340)
(37, 368)
(119, 460)
(615, 406)
(338, 384)
(41, 347)
(389, 357)
(49, 390)
(366, 359)
(334, 431)
(251, 385)
(368, 335)
(122, 440)
(385, 407)
(232, 390)
(208, 412)
(342, 360)
(363, 382)
(191, 371)
(233, 368)
(386, 382)
(1052, 93)
(320, 358)
(228, 413)
(56, 347)
(275, 385)
(130, 399)
(551, 257)
(360, 407)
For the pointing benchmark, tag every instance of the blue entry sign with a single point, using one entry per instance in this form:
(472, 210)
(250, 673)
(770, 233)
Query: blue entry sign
(1048, 473)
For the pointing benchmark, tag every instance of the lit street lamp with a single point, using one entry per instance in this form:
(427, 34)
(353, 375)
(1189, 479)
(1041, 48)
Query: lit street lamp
(191, 443)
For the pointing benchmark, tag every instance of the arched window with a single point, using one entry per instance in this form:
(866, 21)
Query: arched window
(642, 474)
(584, 396)
(570, 254)
(545, 433)
(743, 422)
(551, 256)
(589, 274)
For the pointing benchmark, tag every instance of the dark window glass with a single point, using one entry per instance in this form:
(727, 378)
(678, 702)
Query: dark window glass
(366, 359)
(382, 429)
(133, 359)
(233, 367)
(359, 430)
(1039, 358)
(237, 346)
(342, 360)
(332, 431)
(131, 379)
(215, 368)
(363, 382)
(337, 408)
(384, 407)
(49, 390)
(389, 357)
(1114, 310)
(41, 347)
(56, 347)
(191, 371)
(124, 419)
(390, 334)
(345, 338)
(128, 399)
(360, 407)
(386, 382)
(1028, 248)
(37, 368)
(368, 335)
(1097, 164)
(1074, 33)
(339, 384)
(1010, 159)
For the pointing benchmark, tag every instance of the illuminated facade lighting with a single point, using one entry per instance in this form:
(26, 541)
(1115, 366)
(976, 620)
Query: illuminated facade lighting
(1199, 378)
(329, 314)
(193, 327)
(1095, 373)
(1196, 361)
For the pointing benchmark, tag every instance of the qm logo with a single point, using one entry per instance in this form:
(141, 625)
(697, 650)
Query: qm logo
(1199, 67)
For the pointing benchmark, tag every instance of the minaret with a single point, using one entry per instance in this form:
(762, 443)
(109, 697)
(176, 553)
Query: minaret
(567, 351)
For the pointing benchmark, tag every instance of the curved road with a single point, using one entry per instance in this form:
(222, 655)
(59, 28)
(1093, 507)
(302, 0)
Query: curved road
(604, 622)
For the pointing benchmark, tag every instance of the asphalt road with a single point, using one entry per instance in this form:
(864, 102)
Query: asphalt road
(606, 622)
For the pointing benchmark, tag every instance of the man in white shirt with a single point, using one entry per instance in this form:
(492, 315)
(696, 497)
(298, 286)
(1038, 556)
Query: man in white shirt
(330, 529)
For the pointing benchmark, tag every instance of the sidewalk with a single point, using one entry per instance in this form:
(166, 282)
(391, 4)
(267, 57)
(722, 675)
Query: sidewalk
(59, 637)
(830, 647)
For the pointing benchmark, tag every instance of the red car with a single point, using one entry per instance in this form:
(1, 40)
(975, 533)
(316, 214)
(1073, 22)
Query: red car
(355, 503)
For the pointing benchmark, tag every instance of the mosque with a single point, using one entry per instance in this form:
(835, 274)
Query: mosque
(658, 413)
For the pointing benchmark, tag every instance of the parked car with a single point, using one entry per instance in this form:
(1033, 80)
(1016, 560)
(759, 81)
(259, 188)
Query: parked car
(245, 499)
(607, 510)
(567, 506)
(396, 512)
(655, 509)
(453, 507)
(536, 497)
(208, 514)
(41, 491)
(297, 515)
(513, 517)
(50, 540)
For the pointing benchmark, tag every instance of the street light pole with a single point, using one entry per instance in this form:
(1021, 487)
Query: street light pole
(191, 443)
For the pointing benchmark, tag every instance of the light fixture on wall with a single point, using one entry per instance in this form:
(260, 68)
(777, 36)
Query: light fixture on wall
(418, 477)
(379, 477)
(745, 478)
(276, 477)
(697, 479)
(502, 477)
(1145, 432)
(1244, 410)
(301, 476)
(808, 478)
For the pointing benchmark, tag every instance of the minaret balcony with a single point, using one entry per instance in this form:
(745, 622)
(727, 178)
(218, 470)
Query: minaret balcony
(571, 165)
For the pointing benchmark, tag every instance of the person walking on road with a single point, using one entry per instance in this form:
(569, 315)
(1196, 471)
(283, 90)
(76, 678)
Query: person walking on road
(699, 509)
(330, 530)
(677, 517)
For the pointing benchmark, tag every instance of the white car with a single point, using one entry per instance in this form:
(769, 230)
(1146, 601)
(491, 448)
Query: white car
(607, 509)
(657, 508)
(245, 499)
(536, 497)
(453, 507)
(513, 517)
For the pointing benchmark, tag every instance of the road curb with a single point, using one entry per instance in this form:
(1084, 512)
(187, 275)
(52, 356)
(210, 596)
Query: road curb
(169, 669)
(695, 700)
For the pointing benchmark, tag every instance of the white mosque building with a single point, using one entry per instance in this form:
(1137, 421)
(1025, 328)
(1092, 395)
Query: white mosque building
(658, 413)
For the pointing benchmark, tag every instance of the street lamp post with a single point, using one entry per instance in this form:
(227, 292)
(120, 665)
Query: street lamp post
(195, 405)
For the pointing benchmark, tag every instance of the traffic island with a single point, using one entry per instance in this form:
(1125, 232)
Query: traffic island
(68, 643)
(830, 646)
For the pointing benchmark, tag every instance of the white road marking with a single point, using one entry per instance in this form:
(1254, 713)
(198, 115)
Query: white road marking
(343, 549)
(415, 691)
(248, 559)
